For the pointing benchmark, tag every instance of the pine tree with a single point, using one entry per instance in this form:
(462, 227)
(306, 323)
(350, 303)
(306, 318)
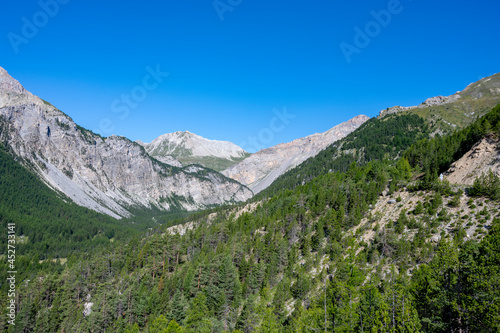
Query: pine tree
(159, 325)
(196, 318)
(269, 323)
(132, 328)
(178, 307)
(248, 320)
(174, 327)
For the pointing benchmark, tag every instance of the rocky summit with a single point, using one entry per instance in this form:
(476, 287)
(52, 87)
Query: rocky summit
(262, 168)
(189, 148)
(108, 175)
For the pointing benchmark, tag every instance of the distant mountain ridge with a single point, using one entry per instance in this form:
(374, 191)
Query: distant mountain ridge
(108, 175)
(396, 129)
(178, 170)
(459, 109)
(189, 148)
(260, 169)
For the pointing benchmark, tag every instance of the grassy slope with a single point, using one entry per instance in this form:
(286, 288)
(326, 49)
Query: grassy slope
(449, 117)
(215, 163)
(476, 100)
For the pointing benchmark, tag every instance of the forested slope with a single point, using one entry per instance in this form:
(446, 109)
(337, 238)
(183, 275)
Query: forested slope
(316, 257)
(51, 225)
(374, 140)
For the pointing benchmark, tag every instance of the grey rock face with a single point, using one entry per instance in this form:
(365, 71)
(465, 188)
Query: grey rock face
(104, 174)
(264, 167)
(433, 101)
(440, 100)
(8, 83)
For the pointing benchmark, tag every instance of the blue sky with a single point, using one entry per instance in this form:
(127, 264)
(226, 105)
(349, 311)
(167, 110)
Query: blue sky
(227, 76)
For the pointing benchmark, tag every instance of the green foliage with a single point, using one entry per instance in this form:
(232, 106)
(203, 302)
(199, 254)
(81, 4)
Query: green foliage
(89, 136)
(52, 225)
(455, 202)
(159, 325)
(174, 327)
(375, 140)
(419, 209)
(460, 289)
(447, 117)
(434, 156)
(203, 278)
(214, 163)
(296, 262)
(132, 329)
(64, 126)
(487, 185)
(386, 136)
(197, 319)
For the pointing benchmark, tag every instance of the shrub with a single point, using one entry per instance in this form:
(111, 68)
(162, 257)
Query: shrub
(455, 202)
(487, 185)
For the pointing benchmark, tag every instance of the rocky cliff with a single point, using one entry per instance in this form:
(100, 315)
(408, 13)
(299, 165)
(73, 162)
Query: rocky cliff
(105, 174)
(262, 168)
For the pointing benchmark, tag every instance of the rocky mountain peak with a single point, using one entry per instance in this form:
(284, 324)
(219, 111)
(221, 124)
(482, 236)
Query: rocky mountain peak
(487, 87)
(358, 119)
(9, 84)
(190, 148)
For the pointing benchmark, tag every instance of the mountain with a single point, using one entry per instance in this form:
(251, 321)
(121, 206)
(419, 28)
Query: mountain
(376, 139)
(262, 168)
(458, 110)
(108, 175)
(394, 130)
(189, 148)
(371, 249)
(51, 225)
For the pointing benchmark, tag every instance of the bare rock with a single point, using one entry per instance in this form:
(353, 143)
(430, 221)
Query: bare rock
(482, 158)
(104, 174)
(261, 169)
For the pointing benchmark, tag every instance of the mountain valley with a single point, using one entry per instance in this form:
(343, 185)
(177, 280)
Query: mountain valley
(385, 224)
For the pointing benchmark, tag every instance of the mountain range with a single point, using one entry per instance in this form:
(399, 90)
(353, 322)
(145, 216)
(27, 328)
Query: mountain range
(181, 170)
(384, 224)
(108, 175)
(257, 171)
(114, 175)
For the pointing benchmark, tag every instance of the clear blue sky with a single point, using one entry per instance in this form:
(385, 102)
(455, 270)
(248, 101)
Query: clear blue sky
(227, 76)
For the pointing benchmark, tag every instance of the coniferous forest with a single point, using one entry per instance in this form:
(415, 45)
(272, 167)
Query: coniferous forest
(313, 253)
